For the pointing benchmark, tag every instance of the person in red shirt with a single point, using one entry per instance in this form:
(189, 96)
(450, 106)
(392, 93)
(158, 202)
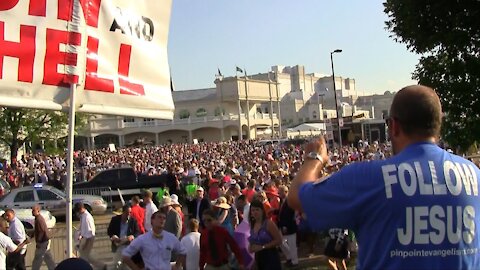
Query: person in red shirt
(274, 200)
(249, 192)
(214, 243)
(213, 190)
(138, 213)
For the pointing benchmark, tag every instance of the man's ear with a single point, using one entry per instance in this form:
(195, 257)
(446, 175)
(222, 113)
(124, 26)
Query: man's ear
(395, 127)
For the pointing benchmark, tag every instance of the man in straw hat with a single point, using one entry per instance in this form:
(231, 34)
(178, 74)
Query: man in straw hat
(173, 224)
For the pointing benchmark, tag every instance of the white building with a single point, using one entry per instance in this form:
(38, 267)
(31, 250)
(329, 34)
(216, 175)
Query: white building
(261, 105)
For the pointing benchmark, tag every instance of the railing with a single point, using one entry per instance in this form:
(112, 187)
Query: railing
(104, 192)
(177, 121)
(102, 245)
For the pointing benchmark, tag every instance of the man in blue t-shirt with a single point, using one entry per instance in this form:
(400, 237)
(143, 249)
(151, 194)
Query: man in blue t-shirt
(419, 209)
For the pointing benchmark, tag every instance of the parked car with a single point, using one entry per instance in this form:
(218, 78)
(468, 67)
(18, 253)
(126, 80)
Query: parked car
(108, 182)
(4, 187)
(51, 199)
(28, 220)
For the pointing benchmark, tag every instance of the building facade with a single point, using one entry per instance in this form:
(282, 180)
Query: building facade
(262, 105)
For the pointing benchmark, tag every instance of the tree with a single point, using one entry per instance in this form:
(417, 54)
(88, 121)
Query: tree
(446, 33)
(18, 126)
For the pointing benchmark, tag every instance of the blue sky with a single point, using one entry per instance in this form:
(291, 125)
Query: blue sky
(258, 34)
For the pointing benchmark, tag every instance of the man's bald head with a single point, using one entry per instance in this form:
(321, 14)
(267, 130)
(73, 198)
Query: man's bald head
(418, 110)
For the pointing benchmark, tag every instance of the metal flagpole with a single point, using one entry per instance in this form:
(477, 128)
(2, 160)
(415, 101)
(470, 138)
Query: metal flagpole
(71, 134)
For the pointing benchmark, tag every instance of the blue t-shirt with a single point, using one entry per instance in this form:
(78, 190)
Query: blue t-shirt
(417, 210)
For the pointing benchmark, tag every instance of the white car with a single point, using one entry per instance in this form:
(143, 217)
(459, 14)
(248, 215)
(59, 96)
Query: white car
(28, 220)
(51, 199)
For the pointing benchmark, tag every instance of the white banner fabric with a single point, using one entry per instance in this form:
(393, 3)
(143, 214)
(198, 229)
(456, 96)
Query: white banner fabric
(115, 50)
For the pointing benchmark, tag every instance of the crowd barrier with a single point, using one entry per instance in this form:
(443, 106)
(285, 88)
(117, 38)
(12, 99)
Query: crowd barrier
(101, 248)
(104, 192)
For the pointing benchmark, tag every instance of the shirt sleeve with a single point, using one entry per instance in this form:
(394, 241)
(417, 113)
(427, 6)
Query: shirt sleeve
(334, 201)
(40, 229)
(17, 232)
(179, 248)
(90, 226)
(178, 225)
(132, 248)
(9, 245)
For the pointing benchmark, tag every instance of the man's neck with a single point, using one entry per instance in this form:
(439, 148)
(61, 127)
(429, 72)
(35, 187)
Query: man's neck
(413, 140)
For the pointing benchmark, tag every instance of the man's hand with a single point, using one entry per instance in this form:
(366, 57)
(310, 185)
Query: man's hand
(319, 146)
(310, 171)
(130, 238)
(177, 267)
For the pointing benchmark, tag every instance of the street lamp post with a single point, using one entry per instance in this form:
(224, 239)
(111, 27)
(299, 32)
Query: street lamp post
(336, 103)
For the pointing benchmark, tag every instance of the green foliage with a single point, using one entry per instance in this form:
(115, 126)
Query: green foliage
(446, 33)
(18, 126)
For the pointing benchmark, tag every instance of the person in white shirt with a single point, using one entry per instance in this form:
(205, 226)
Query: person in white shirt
(6, 244)
(150, 208)
(191, 243)
(243, 205)
(87, 236)
(156, 247)
(16, 231)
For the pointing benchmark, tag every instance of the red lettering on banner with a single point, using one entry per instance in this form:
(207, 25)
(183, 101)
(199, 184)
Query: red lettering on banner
(65, 10)
(127, 87)
(54, 57)
(38, 8)
(91, 10)
(23, 50)
(92, 80)
(7, 4)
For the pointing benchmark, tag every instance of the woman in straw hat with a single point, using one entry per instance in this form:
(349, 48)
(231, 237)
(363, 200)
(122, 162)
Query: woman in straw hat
(223, 214)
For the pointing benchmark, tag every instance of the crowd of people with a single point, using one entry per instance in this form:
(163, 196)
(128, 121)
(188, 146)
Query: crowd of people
(229, 176)
(241, 205)
(235, 191)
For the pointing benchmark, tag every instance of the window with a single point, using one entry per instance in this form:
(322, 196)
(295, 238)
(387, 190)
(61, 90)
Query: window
(105, 178)
(24, 196)
(47, 195)
(201, 112)
(128, 119)
(184, 114)
(219, 111)
(314, 114)
(148, 119)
